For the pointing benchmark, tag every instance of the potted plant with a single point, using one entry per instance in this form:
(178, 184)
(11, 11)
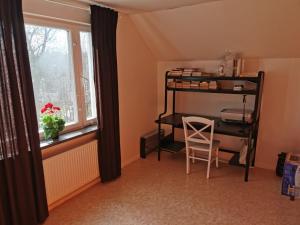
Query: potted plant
(51, 121)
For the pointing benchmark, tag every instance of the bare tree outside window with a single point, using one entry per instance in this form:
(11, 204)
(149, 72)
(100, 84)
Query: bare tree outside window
(52, 69)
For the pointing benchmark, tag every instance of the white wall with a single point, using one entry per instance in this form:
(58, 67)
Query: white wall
(137, 89)
(257, 28)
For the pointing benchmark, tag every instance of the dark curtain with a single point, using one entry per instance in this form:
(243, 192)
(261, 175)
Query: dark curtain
(104, 25)
(22, 189)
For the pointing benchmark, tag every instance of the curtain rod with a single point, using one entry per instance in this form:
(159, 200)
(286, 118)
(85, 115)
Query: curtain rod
(87, 8)
(69, 5)
(55, 18)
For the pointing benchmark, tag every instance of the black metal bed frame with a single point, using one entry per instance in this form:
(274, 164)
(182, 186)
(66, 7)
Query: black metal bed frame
(249, 131)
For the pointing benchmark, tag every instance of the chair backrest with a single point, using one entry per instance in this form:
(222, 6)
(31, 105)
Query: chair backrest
(197, 126)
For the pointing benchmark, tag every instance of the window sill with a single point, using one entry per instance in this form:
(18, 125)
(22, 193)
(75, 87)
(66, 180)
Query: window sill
(68, 136)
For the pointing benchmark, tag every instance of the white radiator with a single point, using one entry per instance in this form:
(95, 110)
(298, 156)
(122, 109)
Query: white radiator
(67, 172)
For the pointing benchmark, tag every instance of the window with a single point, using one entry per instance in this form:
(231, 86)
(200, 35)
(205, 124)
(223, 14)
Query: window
(88, 74)
(62, 71)
(52, 69)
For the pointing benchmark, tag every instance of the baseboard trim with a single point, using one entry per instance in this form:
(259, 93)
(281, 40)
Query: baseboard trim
(264, 166)
(131, 160)
(73, 194)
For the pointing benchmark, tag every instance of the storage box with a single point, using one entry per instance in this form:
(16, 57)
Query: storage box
(236, 115)
(291, 176)
(149, 142)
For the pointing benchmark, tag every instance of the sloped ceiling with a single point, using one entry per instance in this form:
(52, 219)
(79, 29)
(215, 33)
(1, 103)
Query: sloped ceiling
(134, 6)
(256, 28)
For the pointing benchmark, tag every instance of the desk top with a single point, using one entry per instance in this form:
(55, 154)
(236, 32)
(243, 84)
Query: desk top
(231, 129)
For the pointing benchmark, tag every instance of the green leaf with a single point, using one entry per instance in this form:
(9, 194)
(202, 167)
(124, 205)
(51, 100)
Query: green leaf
(52, 125)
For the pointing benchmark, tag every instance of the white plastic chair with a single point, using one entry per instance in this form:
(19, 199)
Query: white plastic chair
(196, 141)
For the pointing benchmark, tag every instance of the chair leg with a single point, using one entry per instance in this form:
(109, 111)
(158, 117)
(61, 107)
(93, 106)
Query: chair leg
(208, 165)
(187, 161)
(217, 157)
(208, 169)
(193, 154)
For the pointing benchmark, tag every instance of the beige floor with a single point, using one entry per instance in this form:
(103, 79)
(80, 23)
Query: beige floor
(151, 192)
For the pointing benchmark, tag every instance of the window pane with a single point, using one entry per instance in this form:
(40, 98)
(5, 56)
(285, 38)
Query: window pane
(88, 74)
(52, 69)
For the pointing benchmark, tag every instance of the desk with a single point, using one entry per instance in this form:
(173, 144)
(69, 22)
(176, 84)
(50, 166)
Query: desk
(237, 130)
(245, 131)
(175, 120)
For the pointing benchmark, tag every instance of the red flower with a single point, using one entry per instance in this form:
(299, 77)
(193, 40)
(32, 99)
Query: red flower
(49, 108)
(44, 109)
(49, 105)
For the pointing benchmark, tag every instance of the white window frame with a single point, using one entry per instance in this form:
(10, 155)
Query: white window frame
(75, 50)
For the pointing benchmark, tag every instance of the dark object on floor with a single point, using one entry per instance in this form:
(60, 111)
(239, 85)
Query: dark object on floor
(291, 176)
(280, 164)
(149, 142)
(235, 159)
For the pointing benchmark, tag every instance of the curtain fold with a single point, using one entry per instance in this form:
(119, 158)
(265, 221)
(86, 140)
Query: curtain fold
(22, 188)
(104, 25)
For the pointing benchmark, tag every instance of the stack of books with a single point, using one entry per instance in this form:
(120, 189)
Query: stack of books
(197, 73)
(187, 71)
(178, 84)
(204, 85)
(195, 84)
(175, 72)
(186, 84)
(213, 85)
(171, 84)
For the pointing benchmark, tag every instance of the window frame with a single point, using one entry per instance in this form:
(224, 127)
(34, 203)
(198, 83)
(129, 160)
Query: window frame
(91, 121)
(75, 51)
